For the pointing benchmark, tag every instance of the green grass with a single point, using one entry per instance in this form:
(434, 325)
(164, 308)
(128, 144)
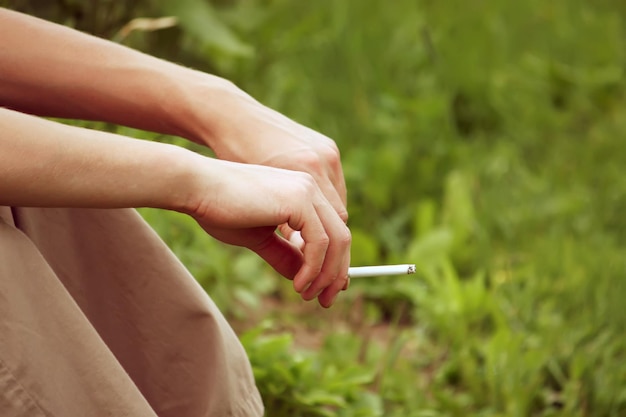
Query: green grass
(482, 141)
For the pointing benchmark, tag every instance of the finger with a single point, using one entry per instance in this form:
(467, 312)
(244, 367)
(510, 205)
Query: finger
(332, 158)
(328, 173)
(331, 183)
(314, 251)
(329, 295)
(296, 240)
(335, 193)
(337, 258)
(338, 180)
(293, 236)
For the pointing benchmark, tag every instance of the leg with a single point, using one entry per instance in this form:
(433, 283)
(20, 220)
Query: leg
(52, 361)
(158, 322)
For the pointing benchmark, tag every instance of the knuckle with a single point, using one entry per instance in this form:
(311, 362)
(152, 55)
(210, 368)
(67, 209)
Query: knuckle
(302, 187)
(311, 161)
(307, 182)
(286, 213)
(346, 237)
(331, 154)
(323, 240)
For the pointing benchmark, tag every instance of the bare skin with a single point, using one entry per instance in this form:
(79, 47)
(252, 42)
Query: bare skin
(272, 172)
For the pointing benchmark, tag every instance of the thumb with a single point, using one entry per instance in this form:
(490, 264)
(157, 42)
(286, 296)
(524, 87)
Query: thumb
(294, 237)
(281, 255)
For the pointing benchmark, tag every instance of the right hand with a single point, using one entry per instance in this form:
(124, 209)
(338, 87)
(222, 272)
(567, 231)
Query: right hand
(243, 204)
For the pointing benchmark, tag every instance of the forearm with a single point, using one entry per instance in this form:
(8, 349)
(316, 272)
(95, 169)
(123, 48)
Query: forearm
(51, 70)
(43, 163)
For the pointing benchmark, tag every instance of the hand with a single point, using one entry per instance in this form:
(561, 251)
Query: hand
(243, 130)
(133, 89)
(243, 204)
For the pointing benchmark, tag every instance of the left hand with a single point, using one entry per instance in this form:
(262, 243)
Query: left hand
(243, 130)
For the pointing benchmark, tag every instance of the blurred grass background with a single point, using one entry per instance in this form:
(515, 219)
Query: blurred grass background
(482, 140)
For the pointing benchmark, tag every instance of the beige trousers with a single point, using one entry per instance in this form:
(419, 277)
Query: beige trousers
(98, 318)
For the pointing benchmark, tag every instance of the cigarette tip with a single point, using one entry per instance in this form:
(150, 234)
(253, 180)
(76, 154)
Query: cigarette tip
(411, 269)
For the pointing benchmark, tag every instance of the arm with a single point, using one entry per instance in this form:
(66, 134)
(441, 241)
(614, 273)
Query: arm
(51, 70)
(43, 163)
(47, 69)
(47, 164)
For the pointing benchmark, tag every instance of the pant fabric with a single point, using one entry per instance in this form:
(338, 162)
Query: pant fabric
(99, 318)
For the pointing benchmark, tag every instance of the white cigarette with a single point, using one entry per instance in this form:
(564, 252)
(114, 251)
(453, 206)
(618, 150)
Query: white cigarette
(376, 271)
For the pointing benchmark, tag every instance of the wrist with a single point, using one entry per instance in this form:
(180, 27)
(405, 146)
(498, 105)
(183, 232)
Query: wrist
(205, 104)
(178, 178)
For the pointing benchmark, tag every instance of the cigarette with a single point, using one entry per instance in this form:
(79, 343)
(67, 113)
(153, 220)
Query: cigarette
(376, 271)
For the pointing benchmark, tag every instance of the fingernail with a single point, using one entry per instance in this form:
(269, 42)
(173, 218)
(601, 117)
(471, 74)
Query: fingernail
(296, 240)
